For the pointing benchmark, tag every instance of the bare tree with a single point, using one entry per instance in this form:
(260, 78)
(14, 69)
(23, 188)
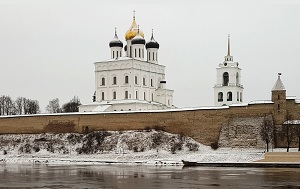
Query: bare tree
(288, 134)
(72, 106)
(7, 106)
(53, 106)
(19, 105)
(267, 131)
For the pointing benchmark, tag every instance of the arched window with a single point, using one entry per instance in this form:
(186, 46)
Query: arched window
(148, 56)
(126, 79)
(151, 82)
(144, 81)
(152, 97)
(102, 96)
(225, 79)
(103, 81)
(237, 79)
(144, 95)
(114, 95)
(113, 54)
(136, 94)
(136, 80)
(126, 94)
(153, 56)
(229, 96)
(114, 80)
(135, 53)
(238, 96)
(220, 97)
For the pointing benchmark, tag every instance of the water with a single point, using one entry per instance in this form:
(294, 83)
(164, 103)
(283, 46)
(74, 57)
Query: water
(136, 177)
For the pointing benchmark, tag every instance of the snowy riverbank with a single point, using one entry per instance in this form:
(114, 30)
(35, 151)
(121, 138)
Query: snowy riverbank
(103, 147)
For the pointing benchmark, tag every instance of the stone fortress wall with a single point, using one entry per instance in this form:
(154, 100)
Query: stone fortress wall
(234, 125)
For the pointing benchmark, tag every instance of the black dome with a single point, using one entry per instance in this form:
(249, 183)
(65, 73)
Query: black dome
(138, 41)
(116, 43)
(152, 44)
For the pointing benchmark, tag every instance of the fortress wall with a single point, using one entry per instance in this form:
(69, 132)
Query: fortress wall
(204, 125)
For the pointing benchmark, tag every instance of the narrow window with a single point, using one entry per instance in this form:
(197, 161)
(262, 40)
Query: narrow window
(114, 95)
(103, 81)
(229, 96)
(225, 79)
(148, 56)
(136, 95)
(278, 107)
(114, 80)
(152, 97)
(278, 97)
(136, 80)
(144, 81)
(143, 53)
(113, 54)
(151, 81)
(126, 94)
(156, 56)
(135, 53)
(117, 54)
(237, 79)
(220, 97)
(126, 79)
(241, 99)
(238, 96)
(102, 95)
(144, 95)
(139, 52)
(153, 56)
(130, 52)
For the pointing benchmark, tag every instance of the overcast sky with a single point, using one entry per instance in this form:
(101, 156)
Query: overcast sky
(47, 48)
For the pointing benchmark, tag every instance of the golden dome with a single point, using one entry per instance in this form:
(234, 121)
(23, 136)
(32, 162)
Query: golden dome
(133, 30)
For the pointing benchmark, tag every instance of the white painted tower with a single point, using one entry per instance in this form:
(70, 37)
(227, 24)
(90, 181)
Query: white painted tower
(228, 89)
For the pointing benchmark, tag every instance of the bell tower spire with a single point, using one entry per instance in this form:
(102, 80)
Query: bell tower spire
(228, 89)
(228, 57)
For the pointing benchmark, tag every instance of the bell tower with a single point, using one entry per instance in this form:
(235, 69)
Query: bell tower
(228, 89)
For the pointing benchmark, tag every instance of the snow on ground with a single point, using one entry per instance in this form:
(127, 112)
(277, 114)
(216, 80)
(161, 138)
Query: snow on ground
(103, 147)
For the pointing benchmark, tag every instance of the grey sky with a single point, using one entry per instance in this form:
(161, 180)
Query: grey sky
(48, 49)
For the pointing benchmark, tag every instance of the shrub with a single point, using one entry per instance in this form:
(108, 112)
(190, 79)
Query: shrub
(36, 148)
(214, 145)
(192, 146)
(4, 152)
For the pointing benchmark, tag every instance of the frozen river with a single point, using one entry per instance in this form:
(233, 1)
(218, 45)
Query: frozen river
(137, 177)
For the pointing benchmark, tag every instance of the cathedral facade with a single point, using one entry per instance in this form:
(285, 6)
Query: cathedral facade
(132, 79)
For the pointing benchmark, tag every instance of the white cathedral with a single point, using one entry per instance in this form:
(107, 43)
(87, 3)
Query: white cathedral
(134, 82)
(131, 82)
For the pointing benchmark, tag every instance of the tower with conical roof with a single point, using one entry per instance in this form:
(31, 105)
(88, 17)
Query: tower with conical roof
(228, 89)
(279, 95)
